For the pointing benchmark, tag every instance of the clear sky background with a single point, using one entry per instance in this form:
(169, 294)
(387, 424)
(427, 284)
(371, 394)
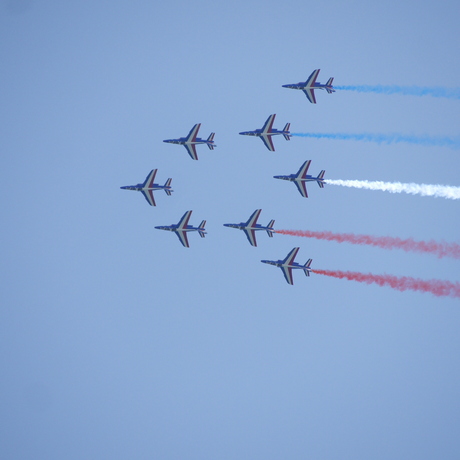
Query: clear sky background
(116, 341)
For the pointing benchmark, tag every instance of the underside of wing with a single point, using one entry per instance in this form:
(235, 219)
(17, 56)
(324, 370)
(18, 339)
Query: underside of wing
(191, 149)
(184, 220)
(287, 272)
(251, 235)
(150, 178)
(193, 132)
(302, 172)
(148, 194)
(310, 93)
(312, 78)
(302, 188)
(183, 238)
(267, 140)
(291, 256)
(252, 221)
(267, 128)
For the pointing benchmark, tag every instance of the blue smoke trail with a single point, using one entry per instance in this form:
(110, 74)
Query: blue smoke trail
(438, 141)
(434, 91)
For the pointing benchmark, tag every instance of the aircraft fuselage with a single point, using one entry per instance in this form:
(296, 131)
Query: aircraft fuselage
(260, 133)
(243, 226)
(294, 178)
(183, 141)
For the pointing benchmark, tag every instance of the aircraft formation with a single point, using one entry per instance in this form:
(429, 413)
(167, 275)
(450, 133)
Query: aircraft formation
(250, 227)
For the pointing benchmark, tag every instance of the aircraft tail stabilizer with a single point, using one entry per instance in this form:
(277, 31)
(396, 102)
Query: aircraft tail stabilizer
(270, 225)
(201, 230)
(287, 136)
(320, 178)
(329, 88)
(211, 139)
(306, 267)
(168, 184)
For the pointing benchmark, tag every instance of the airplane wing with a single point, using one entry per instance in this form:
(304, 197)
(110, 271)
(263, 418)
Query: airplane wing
(287, 272)
(184, 220)
(191, 136)
(191, 149)
(251, 235)
(267, 128)
(150, 178)
(148, 195)
(311, 80)
(252, 221)
(310, 95)
(183, 238)
(302, 188)
(302, 172)
(310, 85)
(267, 140)
(291, 256)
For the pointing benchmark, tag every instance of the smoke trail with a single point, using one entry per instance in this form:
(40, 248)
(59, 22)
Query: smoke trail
(436, 287)
(434, 91)
(441, 249)
(438, 141)
(438, 191)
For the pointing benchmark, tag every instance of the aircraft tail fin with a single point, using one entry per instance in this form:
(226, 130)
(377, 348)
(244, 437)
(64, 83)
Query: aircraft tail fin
(201, 230)
(270, 225)
(329, 87)
(320, 178)
(287, 135)
(168, 184)
(211, 139)
(306, 267)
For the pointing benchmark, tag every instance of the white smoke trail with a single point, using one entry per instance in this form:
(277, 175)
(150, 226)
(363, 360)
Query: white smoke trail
(440, 191)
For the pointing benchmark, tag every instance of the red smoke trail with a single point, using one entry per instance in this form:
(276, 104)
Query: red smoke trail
(437, 287)
(441, 249)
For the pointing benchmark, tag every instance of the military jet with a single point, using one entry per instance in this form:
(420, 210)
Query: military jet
(266, 132)
(182, 228)
(309, 86)
(192, 140)
(251, 226)
(288, 264)
(147, 187)
(301, 178)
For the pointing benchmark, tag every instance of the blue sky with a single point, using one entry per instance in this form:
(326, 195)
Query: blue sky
(115, 340)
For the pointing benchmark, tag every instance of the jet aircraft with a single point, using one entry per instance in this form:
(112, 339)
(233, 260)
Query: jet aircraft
(301, 178)
(192, 140)
(288, 264)
(147, 187)
(251, 226)
(182, 228)
(266, 132)
(309, 86)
